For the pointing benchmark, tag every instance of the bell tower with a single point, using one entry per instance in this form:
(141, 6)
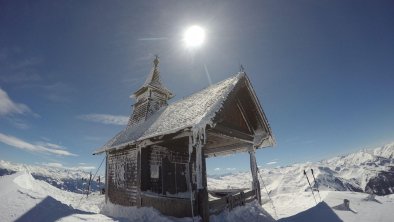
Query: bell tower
(151, 96)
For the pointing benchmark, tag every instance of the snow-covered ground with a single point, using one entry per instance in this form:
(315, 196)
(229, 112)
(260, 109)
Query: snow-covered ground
(25, 197)
(302, 209)
(22, 198)
(70, 179)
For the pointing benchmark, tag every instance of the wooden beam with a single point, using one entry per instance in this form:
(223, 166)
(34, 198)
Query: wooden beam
(243, 113)
(159, 139)
(224, 131)
(223, 150)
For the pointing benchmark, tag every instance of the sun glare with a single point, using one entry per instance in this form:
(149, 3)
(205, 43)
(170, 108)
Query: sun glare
(194, 36)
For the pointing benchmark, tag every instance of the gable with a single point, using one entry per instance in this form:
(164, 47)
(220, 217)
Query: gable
(207, 107)
(242, 116)
(233, 116)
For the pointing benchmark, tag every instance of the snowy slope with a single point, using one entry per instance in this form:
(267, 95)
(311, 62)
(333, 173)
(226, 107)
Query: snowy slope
(332, 208)
(23, 198)
(74, 180)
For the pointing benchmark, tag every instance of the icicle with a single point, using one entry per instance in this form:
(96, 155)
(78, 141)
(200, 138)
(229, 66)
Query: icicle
(190, 147)
(198, 140)
(253, 166)
(199, 165)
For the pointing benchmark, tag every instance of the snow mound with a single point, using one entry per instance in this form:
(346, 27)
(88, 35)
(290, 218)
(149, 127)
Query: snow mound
(252, 212)
(133, 213)
(25, 180)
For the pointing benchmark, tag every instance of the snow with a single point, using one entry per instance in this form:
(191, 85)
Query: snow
(24, 198)
(333, 210)
(195, 111)
(64, 178)
(252, 212)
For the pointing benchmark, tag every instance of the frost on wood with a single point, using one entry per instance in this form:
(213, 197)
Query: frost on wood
(194, 111)
(198, 141)
(123, 176)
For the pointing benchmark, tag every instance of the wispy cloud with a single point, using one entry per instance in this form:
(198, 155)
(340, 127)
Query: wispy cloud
(17, 68)
(271, 163)
(83, 167)
(40, 147)
(105, 119)
(18, 123)
(152, 39)
(8, 107)
(58, 165)
(225, 169)
(58, 92)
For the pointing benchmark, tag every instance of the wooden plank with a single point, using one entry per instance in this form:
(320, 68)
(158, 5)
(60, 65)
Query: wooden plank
(223, 150)
(160, 139)
(231, 201)
(251, 193)
(225, 131)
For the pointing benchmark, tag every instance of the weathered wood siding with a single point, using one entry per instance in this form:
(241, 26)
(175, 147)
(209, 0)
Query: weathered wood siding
(170, 206)
(123, 177)
(171, 166)
(140, 111)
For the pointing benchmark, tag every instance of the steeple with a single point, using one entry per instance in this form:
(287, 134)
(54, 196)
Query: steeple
(151, 96)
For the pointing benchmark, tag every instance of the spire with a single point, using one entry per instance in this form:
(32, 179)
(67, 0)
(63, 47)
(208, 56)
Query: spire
(153, 80)
(154, 75)
(151, 96)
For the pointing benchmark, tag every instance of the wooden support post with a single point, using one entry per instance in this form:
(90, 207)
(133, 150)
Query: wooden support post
(253, 168)
(106, 178)
(139, 163)
(203, 207)
(90, 180)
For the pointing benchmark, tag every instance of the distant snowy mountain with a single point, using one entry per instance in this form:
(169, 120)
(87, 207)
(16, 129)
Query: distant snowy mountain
(368, 170)
(73, 180)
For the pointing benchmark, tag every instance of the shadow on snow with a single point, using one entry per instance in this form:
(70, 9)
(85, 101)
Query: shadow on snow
(321, 212)
(49, 209)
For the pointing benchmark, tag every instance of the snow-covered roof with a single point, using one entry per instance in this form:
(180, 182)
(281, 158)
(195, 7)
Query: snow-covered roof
(194, 112)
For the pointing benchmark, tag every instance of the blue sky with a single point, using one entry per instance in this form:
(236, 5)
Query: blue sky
(323, 71)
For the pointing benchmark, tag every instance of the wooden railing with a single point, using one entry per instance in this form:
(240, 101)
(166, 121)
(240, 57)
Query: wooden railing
(231, 201)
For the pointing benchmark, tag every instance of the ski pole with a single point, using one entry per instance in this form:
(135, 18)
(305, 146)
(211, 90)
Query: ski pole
(310, 186)
(265, 187)
(317, 184)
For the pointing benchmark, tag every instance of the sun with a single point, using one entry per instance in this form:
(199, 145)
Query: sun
(194, 36)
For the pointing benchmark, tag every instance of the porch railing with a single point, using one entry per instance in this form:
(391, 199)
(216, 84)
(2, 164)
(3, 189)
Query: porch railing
(231, 200)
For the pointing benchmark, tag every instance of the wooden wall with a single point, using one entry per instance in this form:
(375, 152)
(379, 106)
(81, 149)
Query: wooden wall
(123, 177)
(164, 171)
